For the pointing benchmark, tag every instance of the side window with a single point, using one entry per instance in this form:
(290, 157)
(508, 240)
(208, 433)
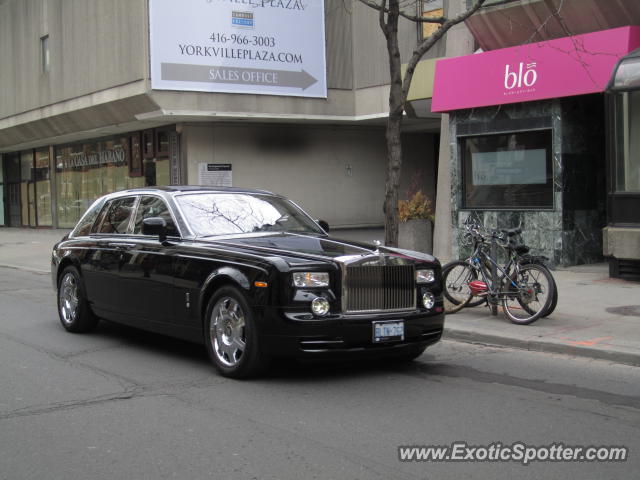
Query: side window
(115, 216)
(86, 222)
(154, 207)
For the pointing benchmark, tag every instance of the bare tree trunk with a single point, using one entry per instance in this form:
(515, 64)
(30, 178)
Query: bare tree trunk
(394, 126)
(394, 166)
(389, 12)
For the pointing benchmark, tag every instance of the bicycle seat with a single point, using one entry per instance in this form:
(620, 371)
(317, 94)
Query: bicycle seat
(511, 232)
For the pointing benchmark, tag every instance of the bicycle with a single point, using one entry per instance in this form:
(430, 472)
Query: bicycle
(525, 289)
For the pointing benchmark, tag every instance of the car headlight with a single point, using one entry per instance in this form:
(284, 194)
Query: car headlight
(310, 279)
(425, 276)
(428, 300)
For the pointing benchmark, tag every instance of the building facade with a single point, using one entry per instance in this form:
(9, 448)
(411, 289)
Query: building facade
(89, 105)
(540, 137)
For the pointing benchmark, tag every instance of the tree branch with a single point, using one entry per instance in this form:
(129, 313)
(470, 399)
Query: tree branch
(414, 18)
(430, 41)
(383, 10)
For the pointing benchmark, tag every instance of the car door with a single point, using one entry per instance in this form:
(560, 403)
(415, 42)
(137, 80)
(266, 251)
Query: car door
(147, 273)
(102, 265)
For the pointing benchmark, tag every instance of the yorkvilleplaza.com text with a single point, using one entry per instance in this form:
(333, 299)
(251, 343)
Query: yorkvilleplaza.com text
(516, 452)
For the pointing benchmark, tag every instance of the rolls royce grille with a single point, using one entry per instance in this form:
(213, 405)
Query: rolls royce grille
(379, 288)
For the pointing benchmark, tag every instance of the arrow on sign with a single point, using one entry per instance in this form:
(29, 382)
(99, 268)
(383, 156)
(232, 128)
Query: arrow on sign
(181, 72)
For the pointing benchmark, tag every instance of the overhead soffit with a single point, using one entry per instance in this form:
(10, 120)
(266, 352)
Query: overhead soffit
(104, 119)
(527, 21)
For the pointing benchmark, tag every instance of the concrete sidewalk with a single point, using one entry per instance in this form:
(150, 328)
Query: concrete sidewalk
(596, 316)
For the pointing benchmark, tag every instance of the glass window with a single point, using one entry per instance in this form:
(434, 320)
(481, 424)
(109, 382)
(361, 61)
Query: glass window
(43, 188)
(154, 207)
(88, 219)
(27, 192)
(628, 142)
(431, 9)
(86, 171)
(116, 216)
(508, 171)
(229, 213)
(45, 54)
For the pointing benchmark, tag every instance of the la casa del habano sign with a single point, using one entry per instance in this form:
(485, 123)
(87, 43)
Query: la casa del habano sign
(116, 156)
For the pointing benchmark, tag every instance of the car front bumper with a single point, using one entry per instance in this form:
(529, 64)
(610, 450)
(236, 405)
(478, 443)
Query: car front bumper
(291, 335)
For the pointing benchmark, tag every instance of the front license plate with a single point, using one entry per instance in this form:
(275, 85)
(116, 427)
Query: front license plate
(388, 331)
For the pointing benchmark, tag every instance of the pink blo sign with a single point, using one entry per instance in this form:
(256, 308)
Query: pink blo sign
(563, 67)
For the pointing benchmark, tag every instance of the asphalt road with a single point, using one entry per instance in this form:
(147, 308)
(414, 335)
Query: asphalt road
(123, 404)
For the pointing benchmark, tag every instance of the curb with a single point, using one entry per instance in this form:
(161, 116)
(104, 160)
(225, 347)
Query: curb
(541, 346)
(26, 269)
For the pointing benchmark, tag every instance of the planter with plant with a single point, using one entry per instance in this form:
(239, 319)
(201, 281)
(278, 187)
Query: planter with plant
(416, 222)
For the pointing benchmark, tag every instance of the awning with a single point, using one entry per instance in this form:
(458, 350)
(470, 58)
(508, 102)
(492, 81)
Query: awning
(421, 89)
(564, 67)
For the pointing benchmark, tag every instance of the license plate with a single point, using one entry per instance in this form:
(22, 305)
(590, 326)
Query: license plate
(388, 331)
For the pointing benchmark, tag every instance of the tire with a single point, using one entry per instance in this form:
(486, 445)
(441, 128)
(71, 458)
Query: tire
(554, 298)
(455, 285)
(533, 296)
(73, 307)
(231, 335)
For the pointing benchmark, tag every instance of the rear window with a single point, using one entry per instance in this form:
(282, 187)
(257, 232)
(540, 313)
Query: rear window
(116, 216)
(83, 228)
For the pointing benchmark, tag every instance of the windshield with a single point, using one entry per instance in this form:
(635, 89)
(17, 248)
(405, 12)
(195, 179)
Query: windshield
(210, 214)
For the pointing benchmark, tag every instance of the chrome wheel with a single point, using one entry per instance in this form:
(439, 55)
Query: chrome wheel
(68, 296)
(227, 331)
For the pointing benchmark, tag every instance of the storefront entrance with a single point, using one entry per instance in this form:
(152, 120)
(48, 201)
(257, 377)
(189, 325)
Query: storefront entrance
(26, 188)
(11, 177)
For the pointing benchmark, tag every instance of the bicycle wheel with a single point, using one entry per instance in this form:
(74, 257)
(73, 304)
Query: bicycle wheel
(455, 280)
(530, 297)
(554, 298)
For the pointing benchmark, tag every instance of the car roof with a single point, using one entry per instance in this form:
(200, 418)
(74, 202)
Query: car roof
(175, 189)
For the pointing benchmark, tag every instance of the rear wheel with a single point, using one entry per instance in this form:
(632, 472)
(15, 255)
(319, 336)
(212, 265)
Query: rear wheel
(231, 336)
(73, 307)
(456, 277)
(531, 296)
(554, 298)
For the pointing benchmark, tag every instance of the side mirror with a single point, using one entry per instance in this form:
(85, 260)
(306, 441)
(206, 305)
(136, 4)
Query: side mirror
(155, 226)
(324, 225)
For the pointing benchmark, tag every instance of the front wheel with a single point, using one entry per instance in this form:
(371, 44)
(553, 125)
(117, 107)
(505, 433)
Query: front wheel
(230, 335)
(456, 277)
(530, 294)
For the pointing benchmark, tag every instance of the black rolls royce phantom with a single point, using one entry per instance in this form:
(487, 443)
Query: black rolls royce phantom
(247, 273)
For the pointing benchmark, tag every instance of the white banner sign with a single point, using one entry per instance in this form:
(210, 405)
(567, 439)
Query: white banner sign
(215, 174)
(270, 47)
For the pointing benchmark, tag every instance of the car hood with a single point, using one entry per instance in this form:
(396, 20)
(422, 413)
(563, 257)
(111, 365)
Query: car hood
(311, 247)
